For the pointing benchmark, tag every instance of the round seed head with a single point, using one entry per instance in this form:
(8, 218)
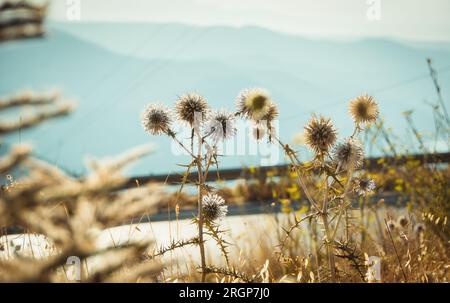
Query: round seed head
(253, 103)
(214, 207)
(191, 107)
(349, 154)
(221, 125)
(320, 134)
(155, 119)
(419, 228)
(364, 186)
(364, 109)
(391, 225)
(403, 221)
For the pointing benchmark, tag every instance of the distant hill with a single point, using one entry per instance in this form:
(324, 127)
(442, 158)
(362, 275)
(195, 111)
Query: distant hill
(113, 70)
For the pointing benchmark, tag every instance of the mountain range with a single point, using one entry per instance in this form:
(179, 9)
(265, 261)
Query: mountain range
(113, 70)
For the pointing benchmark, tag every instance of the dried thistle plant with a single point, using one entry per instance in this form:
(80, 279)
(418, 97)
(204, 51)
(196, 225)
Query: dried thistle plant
(320, 135)
(208, 128)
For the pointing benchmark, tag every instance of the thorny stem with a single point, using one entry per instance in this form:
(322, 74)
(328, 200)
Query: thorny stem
(323, 212)
(329, 244)
(295, 163)
(316, 249)
(330, 236)
(200, 207)
(291, 228)
(356, 131)
(363, 201)
(208, 165)
(345, 203)
(215, 233)
(330, 254)
(192, 140)
(172, 135)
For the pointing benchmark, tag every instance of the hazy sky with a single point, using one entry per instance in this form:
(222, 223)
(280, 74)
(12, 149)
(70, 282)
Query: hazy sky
(404, 19)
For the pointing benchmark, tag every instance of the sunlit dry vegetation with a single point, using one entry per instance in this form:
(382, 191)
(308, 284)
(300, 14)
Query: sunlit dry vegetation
(339, 210)
(337, 216)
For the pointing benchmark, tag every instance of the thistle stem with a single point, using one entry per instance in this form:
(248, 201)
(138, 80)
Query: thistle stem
(200, 207)
(329, 236)
(330, 253)
(295, 163)
(181, 145)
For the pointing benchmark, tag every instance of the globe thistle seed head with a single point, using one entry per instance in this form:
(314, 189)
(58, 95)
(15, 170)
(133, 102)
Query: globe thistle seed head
(403, 221)
(419, 228)
(253, 103)
(190, 107)
(391, 225)
(349, 154)
(364, 186)
(156, 119)
(320, 134)
(364, 109)
(213, 208)
(221, 125)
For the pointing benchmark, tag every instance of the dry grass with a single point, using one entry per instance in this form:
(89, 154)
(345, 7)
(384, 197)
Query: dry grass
(331, 236)
(63, 216)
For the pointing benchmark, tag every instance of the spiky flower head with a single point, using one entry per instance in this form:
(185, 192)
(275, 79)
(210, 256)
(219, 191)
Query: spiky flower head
(391, 225)
(191, 107)
(253, 103)
(349, 154)
(419, 228)
(320, 134)
(364, 186)
(403, 221)
(214, 207)
(156, 119)
(364, 109)
(221, 125)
